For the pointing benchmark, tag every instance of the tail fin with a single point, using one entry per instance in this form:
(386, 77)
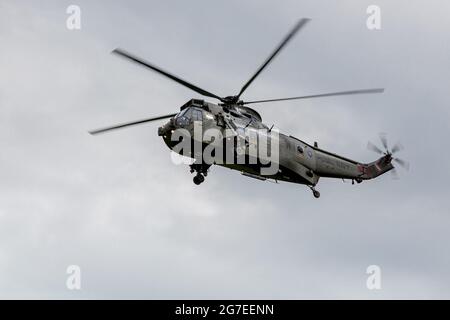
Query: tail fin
(376, 168)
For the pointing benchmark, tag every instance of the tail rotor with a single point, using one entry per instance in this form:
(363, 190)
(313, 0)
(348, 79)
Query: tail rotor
(388, 153)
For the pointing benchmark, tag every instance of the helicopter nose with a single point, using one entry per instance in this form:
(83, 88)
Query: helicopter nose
(166, 128)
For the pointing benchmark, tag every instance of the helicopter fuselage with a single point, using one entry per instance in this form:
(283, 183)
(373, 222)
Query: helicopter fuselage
(296, 161)
(232, 135)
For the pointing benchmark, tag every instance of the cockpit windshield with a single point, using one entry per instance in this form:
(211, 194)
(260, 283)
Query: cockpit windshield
(189, 115)
(182, 113)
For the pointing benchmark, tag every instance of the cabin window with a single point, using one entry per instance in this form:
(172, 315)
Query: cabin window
(300, 149)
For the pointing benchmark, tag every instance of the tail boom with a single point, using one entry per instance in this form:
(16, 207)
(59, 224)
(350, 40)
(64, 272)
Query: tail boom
(334, 166)
(376, 168)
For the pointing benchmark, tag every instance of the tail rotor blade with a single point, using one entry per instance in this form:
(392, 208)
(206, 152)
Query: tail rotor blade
(402, 163)
(394, 174)
(374, 148)
(397, 147)
(384, 140)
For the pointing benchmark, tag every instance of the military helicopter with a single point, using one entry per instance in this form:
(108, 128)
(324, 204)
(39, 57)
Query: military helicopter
(298, 161)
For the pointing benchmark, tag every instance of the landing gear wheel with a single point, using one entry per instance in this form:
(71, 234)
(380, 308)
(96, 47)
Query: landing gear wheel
(198, 179)
(316, 193)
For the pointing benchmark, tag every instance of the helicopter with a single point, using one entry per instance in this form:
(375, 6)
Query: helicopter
(231, 119)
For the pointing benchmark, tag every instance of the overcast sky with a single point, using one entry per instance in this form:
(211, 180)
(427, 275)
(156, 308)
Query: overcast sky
(135, 223)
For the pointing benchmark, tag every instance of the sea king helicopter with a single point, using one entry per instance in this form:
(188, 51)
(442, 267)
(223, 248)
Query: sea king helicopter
(297, 162)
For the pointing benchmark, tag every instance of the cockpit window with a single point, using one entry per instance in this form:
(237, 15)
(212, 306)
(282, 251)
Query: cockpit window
(197, 115)
(182, 113)
(189, 115)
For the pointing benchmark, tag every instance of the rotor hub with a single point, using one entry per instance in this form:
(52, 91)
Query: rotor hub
(231, 100)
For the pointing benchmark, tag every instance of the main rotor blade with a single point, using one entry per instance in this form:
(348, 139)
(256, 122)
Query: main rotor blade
(128, 124)
(144, 63)
(374, 148)
(296, 28)
(331, 94)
